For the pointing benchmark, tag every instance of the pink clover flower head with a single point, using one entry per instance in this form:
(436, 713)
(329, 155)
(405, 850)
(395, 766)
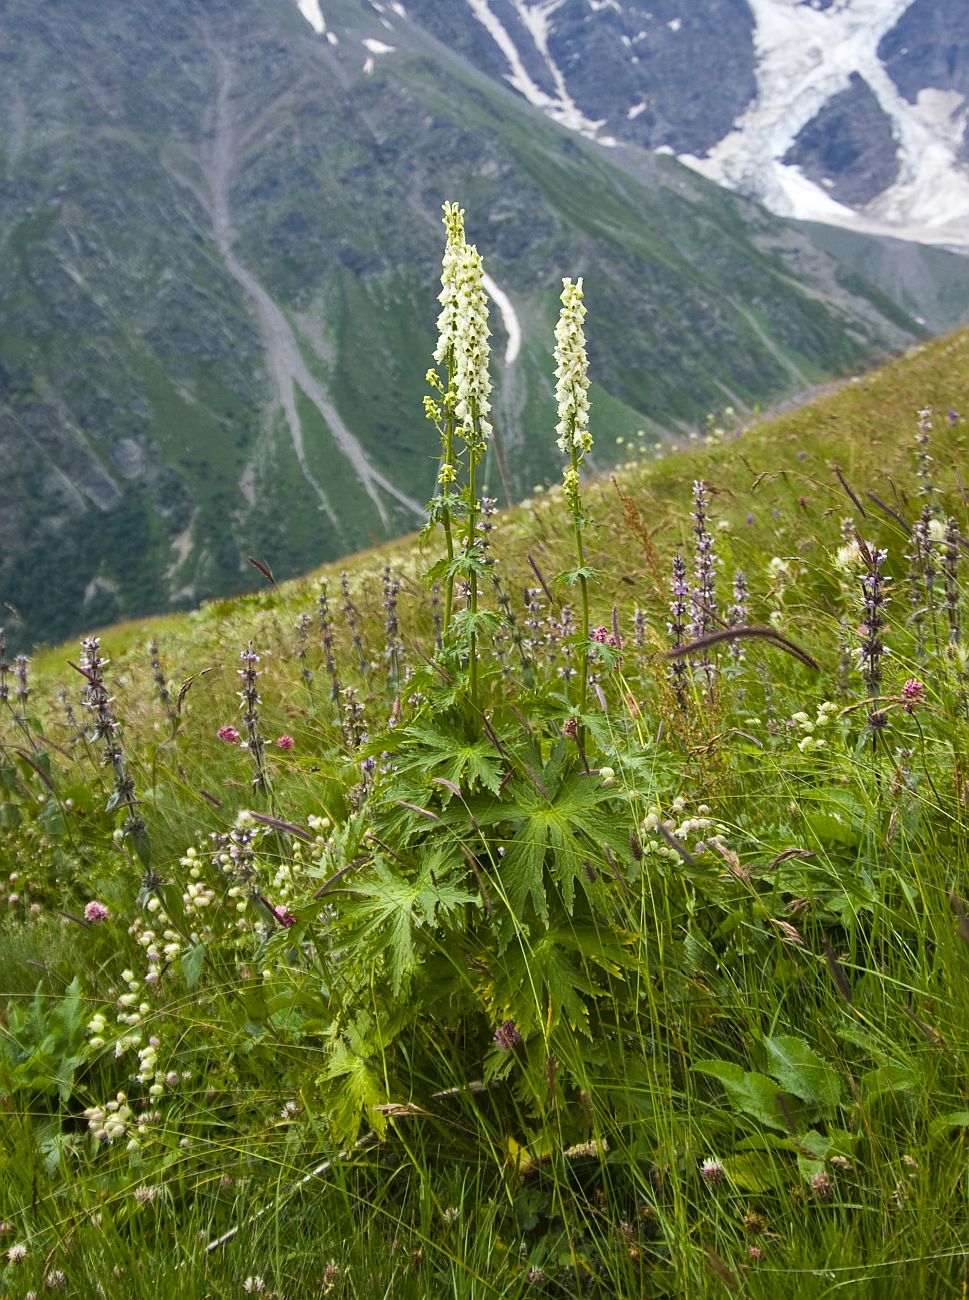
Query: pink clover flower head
(913, 692)
(284, 916)
(229, 735)
(95, 911)
(507, 1035)
(601, 635)
(712, 1172)
(285, 742)
(822, 1187)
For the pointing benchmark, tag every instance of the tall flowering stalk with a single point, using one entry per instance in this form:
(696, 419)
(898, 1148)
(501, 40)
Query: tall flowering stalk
(924, 461)
(737, 613)
(874, 599)
(249, 697)
(303, 625)
(106, 729)
(161, 683)
(704, 599)
(922, 574)
(679, 609)
(459, 407)
(439, 407)
(950, 579)
(574, 439)
(326, 641)
(473, 390)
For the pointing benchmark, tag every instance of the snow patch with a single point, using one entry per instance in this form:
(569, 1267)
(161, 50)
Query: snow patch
(368, 66)
(560, 107)
(634, 111)
(310, 9)
(378, 47)
(675, 24)
(804, 57)
(399, 9)
(509, 318)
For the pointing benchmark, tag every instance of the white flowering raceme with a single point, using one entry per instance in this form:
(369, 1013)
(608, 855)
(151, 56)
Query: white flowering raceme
(572, 373)
(472, 350)
(448, 297)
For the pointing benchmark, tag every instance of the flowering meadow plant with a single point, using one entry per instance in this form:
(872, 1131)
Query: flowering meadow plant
(573, 903)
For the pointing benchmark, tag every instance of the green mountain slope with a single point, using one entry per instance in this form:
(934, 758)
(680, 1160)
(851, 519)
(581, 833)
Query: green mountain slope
(217, 233)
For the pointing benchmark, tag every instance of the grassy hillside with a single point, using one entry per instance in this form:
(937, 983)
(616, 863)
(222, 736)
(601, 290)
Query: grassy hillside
(219, 235)
(441, 986)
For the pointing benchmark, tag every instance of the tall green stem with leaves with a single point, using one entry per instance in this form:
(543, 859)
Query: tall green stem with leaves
(574, 440)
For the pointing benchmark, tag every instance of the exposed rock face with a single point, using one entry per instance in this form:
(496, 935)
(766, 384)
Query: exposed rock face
(929, 48)
(848, 147)
(847, 111)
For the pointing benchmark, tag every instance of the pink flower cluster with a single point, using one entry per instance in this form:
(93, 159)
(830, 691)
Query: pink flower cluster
(913, 692)
(95, 911)
(602, 636)
(229, 735)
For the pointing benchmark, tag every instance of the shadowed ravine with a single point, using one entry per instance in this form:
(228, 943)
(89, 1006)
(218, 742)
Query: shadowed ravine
(286, 364)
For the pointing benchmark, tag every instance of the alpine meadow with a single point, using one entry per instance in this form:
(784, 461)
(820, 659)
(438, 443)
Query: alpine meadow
(572, 900)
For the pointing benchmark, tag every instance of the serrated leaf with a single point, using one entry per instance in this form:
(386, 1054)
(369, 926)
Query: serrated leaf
(945, 1123)
(752, 1093)
(751, 1172)
(192, 962)
(799, 1069)
(892, 1080)
(390, 909)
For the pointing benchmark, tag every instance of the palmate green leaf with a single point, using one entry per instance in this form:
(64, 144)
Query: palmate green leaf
(557, 975)
(389, 909)
(359, 1086)
(554, 820)
(441, 749)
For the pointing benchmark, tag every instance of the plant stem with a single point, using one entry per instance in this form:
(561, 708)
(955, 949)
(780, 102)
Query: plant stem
(584, 593)
(472, 576)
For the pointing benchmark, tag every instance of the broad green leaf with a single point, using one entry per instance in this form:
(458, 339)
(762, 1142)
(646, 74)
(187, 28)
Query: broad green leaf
(752, 1093)
(192, 963)
(751, 1172)
(800, 1070)
(888, 1080)
(945, 1123)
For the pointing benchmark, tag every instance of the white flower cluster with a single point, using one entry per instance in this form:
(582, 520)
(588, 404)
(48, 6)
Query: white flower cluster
(161, 950)
(197, 896)
(109, 1122)
(447, 322)
(826, 714)
(697, 828)
(130, 1006)
(463, 334)
(472, 350)
(572, 373)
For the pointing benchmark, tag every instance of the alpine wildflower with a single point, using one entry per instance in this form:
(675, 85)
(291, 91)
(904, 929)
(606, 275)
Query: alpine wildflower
(574, 438)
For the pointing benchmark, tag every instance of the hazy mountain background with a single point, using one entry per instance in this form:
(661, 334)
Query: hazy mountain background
(220, 239)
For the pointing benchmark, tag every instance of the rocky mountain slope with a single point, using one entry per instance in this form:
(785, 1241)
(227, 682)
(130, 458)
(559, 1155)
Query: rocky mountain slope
(219, 244)
(852, 112)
